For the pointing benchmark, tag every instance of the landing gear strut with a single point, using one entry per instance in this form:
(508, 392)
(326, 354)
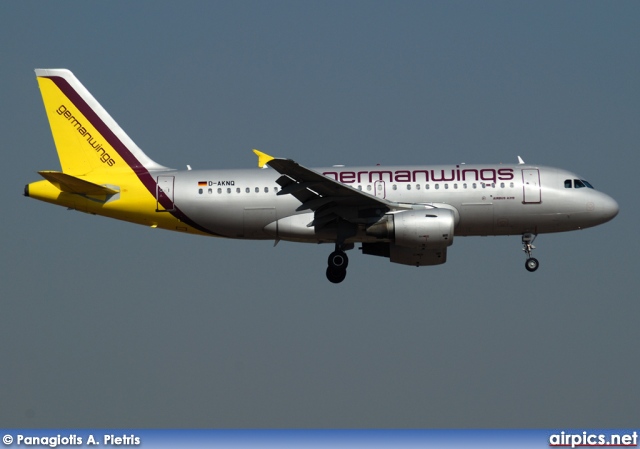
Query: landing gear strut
(527, 240)
(337, 269)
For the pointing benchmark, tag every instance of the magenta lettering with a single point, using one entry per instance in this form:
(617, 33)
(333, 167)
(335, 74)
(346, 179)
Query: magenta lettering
(422, 175)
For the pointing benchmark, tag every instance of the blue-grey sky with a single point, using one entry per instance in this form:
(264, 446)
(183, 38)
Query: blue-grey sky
(109, 324)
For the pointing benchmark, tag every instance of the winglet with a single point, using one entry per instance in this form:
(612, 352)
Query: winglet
(520, 161)
(263, 158)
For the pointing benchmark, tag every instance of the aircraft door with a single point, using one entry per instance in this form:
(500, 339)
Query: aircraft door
(379, 189)
(164, 193)
(531, 185)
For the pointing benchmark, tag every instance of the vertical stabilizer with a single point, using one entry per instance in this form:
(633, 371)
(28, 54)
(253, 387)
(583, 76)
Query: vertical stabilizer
(86, 137)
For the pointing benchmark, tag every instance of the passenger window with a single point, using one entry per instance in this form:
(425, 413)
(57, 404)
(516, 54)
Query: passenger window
(567, 184)
(210, 190)
(257, 189)
(417, 186)
(455, 186)
(247, 190)
(228, 190)
(437, 186)
(200, 191)
(408, 186)
(475, 186)
(266, 190)
(275, 189)
(395, 187)
(369, 187)
(578, 184)
(427, 187)
(360, 188)
(237, 189)
(502, 185)
(219, 190)
(446, 186)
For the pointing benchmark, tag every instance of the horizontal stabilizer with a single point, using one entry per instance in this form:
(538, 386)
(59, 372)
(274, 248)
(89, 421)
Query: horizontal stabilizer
(71, 184)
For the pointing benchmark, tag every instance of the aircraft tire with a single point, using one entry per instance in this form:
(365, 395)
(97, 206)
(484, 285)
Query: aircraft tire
(531, 264)
(336, 275)
(339, 260)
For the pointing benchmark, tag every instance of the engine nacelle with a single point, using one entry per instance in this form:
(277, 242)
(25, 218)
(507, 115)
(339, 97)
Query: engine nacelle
(426, 228)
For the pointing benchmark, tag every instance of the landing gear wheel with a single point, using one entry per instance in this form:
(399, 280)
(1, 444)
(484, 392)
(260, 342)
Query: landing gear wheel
(527, 240)
(336, 275)
(531, 264)
(338, 260)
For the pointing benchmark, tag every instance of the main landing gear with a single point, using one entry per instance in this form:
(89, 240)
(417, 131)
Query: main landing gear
(527, 240)
(337, 269)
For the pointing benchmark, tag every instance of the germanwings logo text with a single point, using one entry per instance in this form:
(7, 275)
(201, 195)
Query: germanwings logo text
(457, 174)
(104, 156)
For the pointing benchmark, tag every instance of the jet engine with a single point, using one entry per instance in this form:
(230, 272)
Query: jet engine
(426, 228)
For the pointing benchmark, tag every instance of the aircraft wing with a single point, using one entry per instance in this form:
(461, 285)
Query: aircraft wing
(316, 191)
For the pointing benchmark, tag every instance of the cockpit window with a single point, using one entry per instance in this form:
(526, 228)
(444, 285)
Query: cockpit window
(576, 184)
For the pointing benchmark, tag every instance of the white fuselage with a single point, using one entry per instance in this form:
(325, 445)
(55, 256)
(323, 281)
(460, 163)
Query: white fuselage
(486, 199)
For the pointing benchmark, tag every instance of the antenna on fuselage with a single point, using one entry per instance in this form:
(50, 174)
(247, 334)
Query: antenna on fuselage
(520, 161)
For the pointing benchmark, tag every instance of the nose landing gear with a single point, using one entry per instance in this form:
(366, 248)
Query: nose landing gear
(531, 263)
(337, 269)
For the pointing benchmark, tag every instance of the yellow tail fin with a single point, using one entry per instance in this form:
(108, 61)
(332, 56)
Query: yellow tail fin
(103, 170)
(87, 139)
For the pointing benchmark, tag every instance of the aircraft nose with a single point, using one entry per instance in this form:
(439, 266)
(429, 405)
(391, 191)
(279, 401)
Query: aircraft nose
(610, 208)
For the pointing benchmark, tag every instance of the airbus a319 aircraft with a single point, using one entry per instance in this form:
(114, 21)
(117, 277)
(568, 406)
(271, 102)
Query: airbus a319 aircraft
(408, 214)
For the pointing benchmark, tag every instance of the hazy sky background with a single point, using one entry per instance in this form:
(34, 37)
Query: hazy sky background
(109, 324)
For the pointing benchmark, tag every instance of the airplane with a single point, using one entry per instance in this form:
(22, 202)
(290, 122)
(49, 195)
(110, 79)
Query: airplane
(408, 214)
